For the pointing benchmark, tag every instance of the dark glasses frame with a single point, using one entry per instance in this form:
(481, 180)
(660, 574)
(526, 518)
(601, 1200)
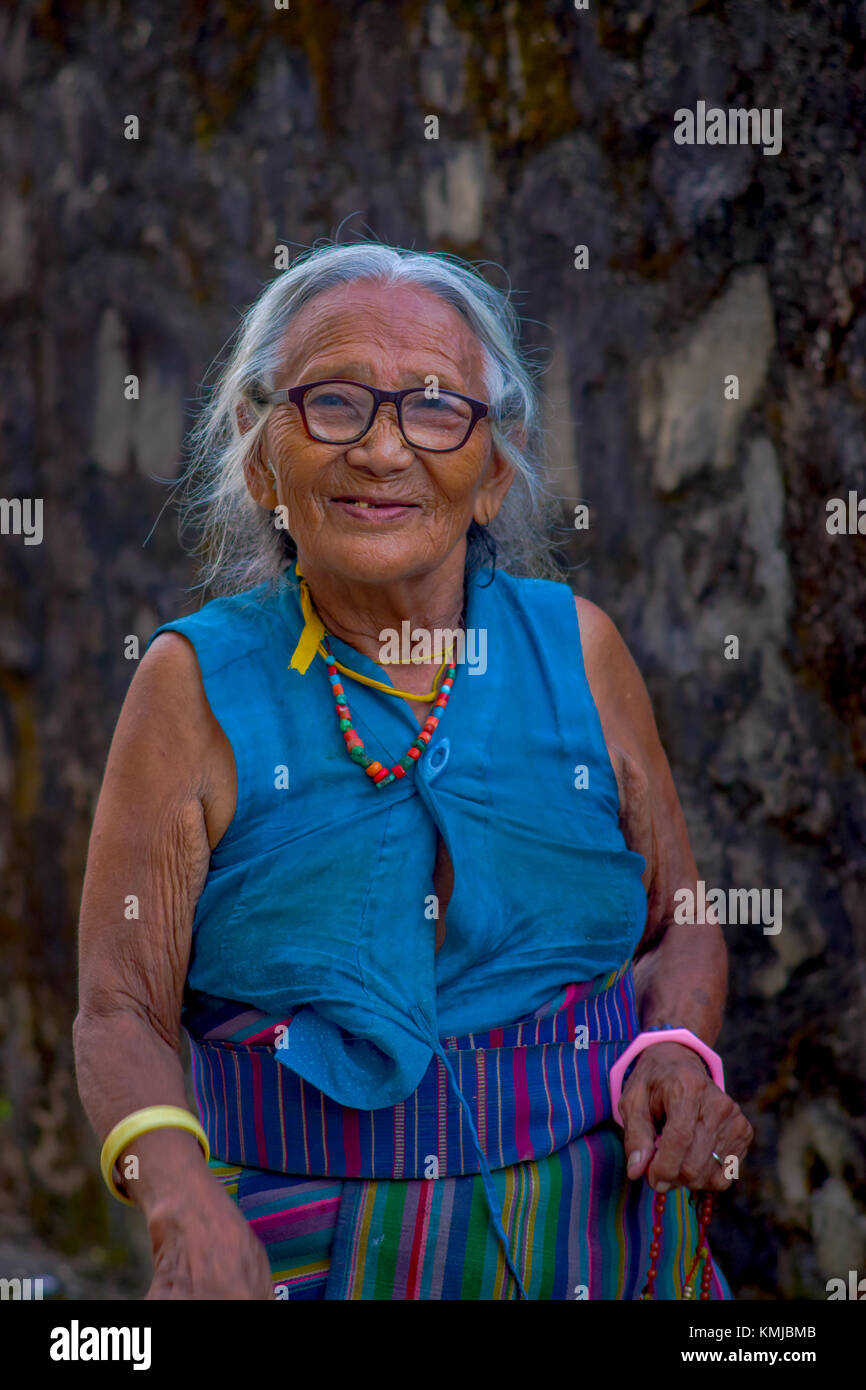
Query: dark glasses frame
(294, 395)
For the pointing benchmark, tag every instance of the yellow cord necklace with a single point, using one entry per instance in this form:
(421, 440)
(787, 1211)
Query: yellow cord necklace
(310, 643)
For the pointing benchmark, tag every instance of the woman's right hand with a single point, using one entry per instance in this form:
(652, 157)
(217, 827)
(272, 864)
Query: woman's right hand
(203, 1247)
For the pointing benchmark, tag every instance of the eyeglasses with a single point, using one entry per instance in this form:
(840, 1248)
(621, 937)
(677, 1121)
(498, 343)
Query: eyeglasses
(341, 412)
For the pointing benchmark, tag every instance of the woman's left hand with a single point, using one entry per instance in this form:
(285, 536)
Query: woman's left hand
(669, 1082)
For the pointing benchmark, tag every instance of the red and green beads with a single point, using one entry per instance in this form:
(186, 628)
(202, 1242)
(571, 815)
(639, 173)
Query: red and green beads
(379, 775)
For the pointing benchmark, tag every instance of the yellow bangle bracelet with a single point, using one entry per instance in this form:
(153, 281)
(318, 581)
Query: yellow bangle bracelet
(141, 1122)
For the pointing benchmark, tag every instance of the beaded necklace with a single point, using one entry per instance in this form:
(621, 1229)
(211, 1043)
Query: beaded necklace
(379, 774)
(313, 640)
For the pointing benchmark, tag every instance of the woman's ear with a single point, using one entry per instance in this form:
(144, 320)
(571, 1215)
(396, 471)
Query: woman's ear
(498, 477)
(260, 480)
(244, 416)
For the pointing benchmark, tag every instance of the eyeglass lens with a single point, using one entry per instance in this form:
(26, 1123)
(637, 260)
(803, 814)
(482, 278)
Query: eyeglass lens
(340, 412)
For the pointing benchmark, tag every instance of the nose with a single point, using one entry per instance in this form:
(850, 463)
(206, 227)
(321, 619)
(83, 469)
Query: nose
(383, 446)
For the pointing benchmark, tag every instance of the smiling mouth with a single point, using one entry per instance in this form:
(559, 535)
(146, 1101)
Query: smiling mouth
(373, 508)
(374, 501)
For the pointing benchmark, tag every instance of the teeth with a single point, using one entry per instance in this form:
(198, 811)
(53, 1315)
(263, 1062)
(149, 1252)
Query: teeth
(354, 502)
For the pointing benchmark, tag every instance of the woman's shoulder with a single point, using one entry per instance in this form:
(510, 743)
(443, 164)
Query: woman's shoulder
(599, 637)
(616, 684)
(542, 600)
(622, 700)
(228, 627)
(522, 584)
(243, 608)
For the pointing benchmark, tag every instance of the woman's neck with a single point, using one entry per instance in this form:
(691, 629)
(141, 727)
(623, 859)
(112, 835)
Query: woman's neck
(360, 613)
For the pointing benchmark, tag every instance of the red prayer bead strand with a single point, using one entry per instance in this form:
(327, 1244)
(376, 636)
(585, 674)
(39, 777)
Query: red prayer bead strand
(707, 1273)
(704, 1213)
(649, 1288)
(702, 1251)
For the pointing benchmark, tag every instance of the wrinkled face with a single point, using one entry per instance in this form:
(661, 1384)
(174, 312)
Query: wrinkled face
(392, 338)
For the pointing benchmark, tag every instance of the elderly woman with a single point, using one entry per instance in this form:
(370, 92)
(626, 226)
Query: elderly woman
(416, 920)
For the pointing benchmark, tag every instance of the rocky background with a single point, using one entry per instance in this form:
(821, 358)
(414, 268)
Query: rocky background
(262, 126)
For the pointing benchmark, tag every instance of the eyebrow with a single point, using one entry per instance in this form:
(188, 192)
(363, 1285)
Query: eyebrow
(354, 371)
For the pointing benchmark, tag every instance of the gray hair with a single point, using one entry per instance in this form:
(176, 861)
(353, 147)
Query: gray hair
(238, 543)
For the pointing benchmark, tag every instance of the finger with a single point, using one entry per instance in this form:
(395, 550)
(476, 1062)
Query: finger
(699, 1169)
(639, 1132)
(715, 1110)
(675, 1141)
(723, 1130)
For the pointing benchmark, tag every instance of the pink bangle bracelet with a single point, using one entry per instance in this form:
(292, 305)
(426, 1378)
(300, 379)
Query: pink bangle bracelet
(644, 1040)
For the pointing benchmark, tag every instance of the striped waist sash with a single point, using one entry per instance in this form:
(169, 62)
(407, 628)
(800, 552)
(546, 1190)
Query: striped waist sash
(487, 1099)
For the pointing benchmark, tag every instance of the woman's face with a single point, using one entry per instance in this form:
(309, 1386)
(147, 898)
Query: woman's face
(391, 338)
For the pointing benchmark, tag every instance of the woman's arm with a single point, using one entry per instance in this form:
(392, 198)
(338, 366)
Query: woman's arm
(166, 798)
(681, 970)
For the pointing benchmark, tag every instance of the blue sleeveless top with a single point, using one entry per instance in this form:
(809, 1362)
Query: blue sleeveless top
(319, 896)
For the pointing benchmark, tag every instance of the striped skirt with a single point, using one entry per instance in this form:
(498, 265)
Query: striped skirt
(392, 1203)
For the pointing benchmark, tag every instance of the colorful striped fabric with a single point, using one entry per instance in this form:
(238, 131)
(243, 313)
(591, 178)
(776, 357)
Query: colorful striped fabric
(532, 1087)
(578, 1228)
(391, 1203)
